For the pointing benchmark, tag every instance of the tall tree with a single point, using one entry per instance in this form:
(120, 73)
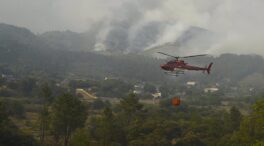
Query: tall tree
(3, 113)
(251, 131)
(235, 118)
(130, 108)
(130, 104)
(68, 113)
(108, 132)
(27, 86)
(45, 96)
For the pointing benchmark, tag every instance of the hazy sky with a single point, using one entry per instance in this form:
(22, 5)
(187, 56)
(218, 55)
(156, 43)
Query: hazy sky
(238, 22)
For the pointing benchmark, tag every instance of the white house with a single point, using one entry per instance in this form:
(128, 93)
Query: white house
(191, 83)
(138, 89)
(210, 90)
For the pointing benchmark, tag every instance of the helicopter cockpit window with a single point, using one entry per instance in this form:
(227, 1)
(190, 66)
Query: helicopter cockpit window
(171, 62)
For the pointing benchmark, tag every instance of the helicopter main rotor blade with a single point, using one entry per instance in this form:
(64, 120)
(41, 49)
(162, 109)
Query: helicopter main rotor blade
(177, 57)
(193, 56)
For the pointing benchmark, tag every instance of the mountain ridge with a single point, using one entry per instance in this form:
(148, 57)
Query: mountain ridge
(39, 57)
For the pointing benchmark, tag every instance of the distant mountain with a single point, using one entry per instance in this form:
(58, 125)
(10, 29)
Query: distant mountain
(69, 40)
(17, 34)
(23, 53)
(12, 35)
(116, 40)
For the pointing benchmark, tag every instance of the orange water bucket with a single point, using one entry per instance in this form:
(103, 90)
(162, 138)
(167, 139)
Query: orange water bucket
(175, 101)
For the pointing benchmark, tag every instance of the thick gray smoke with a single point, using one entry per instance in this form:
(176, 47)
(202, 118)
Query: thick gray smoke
(236, 25)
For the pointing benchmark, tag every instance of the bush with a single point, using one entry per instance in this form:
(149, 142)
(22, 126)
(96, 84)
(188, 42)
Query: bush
(14, 108)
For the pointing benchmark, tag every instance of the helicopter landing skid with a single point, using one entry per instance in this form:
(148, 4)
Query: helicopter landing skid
(175, 74)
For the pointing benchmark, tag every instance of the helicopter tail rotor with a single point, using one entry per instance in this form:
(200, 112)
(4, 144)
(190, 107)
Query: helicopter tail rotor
(209, 68)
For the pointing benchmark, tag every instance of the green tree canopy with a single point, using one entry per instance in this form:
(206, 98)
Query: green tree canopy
(68, 113)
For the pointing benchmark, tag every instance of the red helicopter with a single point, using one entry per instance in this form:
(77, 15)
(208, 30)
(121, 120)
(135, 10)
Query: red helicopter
(177, 66)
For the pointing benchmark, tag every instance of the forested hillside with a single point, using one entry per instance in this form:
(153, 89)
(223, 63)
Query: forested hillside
(24, 53)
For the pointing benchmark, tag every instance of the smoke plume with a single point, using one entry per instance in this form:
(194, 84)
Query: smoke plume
(237, 26)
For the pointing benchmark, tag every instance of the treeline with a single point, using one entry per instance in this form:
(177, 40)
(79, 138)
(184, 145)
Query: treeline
(28, 86)
(10, 135)
(131, 123)
(68, 121)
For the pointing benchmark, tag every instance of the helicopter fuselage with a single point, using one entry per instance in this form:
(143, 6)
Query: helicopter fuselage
(180, 65)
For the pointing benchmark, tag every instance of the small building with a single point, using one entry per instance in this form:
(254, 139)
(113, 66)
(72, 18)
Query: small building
(138, 89)
(191, 83)
(156, 95)
(9, 78)
(210, 90)
(111, 78)
(251, 89)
